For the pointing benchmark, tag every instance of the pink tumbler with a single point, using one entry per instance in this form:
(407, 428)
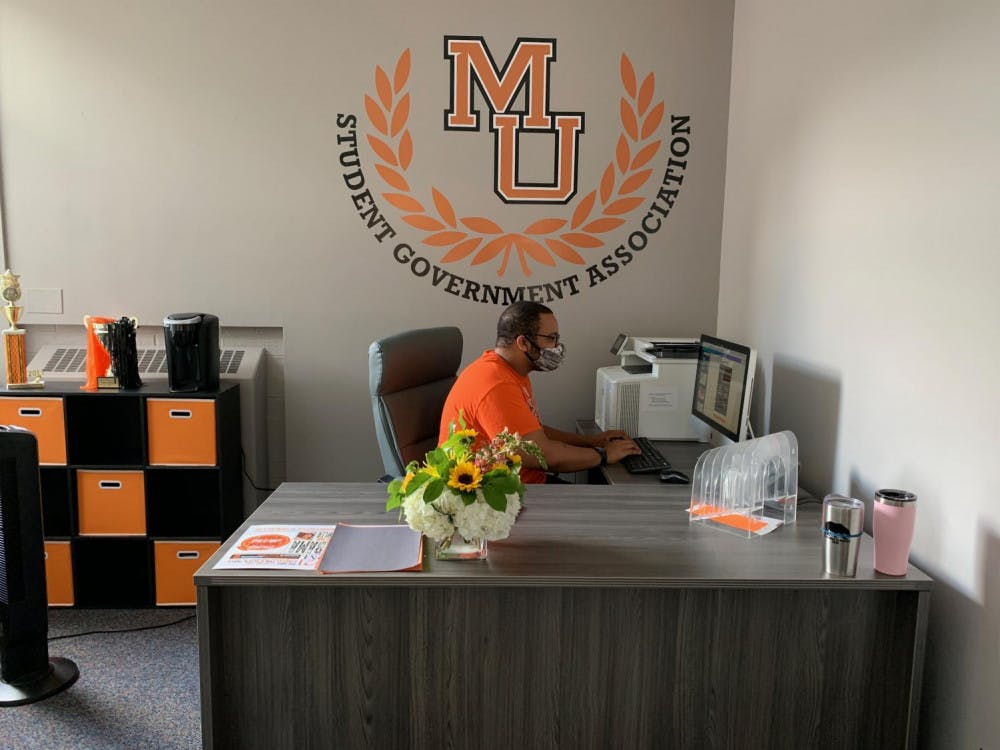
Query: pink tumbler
(892, 527)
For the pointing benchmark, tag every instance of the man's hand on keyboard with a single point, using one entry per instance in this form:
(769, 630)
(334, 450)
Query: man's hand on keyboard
(608, 435)
(618, 448)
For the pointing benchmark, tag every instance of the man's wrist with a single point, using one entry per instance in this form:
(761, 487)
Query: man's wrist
(602, 453)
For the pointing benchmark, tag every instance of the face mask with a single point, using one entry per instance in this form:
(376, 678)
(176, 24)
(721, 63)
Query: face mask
(548, 359)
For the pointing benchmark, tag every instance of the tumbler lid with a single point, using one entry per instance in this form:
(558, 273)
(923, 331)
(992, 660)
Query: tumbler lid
(839, 501)
(182, 319)
(898, 498)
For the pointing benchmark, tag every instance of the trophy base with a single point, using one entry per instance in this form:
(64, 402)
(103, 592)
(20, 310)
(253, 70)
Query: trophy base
(107, 383)
(15, 357)
(25, 386)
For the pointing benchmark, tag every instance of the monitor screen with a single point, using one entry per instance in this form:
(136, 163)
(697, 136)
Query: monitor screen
(722, 386)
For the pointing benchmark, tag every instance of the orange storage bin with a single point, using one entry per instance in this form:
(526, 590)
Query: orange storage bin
(176, 564)
(181, 431)
(43, 416)
(111, 502)
(59, 574)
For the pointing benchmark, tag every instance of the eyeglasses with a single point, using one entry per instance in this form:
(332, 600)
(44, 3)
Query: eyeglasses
(553, 337)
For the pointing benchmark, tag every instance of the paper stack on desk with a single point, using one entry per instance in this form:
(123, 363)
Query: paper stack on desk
(362, 549)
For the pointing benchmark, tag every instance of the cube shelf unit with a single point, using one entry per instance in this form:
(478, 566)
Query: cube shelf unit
(138, 488)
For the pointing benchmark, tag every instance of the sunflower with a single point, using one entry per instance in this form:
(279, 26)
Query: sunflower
(406, 480)
(467, 433)
(465, 477)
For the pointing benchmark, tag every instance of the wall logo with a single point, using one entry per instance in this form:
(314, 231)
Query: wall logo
(527, 66)
(600, 233)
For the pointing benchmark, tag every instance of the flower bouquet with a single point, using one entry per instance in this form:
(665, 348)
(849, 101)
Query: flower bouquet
(460, 494)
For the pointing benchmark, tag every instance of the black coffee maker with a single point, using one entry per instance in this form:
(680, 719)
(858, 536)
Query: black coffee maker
(192, 344)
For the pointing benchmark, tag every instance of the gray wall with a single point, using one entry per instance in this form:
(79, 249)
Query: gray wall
(160, 157)
(860, 256)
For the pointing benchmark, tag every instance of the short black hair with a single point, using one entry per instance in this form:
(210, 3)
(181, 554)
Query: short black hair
(520, 319)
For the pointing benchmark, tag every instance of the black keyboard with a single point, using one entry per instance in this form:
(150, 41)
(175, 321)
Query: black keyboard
(650, 461)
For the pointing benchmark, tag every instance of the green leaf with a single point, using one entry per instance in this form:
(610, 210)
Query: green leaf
(434, 489)
(436, 457)
(396, 493)
(418, 479)
(468, 497)
(508, 483)
(496, 498)
(461, 424)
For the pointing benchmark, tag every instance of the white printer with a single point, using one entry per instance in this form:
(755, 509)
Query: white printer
(650, 393)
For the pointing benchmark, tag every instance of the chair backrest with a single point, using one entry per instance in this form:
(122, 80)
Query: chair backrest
(409, 376)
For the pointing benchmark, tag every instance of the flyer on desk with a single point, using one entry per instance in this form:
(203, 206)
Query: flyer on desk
(278, 547)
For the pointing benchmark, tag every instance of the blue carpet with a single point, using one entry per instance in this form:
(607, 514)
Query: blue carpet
(136, 690)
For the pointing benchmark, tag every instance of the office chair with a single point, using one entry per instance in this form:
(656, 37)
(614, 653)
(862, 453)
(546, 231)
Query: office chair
(409, 376)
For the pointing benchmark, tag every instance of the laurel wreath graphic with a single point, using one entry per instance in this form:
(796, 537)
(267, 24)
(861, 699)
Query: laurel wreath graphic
(596, 213)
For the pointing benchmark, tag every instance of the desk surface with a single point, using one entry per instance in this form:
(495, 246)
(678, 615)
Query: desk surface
(578, 535)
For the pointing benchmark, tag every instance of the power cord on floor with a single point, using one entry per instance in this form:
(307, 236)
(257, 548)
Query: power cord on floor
(243, 459)
(124, 630)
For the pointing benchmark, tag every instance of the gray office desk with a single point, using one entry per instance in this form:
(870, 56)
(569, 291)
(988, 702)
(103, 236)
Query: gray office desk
(604, 621)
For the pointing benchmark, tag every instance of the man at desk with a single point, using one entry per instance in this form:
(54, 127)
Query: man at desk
(494, 393)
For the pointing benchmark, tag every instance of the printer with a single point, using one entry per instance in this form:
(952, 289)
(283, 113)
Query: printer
(651, 391)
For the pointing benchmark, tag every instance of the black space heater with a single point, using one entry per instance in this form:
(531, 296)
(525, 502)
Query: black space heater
(27, 674)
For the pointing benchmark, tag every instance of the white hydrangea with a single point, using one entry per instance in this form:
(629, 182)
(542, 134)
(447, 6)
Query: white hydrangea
(480, 521)
(426, 518)
(513, 507)
(448, 503)
(440, 519)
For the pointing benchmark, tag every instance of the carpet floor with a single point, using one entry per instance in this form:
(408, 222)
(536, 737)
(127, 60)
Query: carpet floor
(136, 690)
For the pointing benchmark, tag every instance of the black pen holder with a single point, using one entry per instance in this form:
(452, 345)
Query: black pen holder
(124, 356)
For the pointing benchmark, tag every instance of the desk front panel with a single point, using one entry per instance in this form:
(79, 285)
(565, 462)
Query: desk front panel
(505, 667)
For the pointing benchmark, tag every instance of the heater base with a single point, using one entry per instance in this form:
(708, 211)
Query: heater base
(62, 673)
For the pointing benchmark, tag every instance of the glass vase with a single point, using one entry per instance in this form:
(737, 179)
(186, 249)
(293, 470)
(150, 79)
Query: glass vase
(460, 549)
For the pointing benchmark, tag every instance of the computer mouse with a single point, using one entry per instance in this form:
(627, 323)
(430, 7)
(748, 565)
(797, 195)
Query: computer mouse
(672, 476)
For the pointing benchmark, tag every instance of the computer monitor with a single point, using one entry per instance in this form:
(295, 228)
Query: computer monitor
(723, 385)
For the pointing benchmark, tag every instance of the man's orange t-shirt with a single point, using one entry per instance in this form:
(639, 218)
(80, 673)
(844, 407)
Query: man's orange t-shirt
(492, 396)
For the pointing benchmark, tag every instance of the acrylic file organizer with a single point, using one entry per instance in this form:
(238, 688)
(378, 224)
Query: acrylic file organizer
(749, 487)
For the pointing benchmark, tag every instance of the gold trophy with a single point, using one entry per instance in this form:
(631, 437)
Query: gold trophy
(14, 349)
